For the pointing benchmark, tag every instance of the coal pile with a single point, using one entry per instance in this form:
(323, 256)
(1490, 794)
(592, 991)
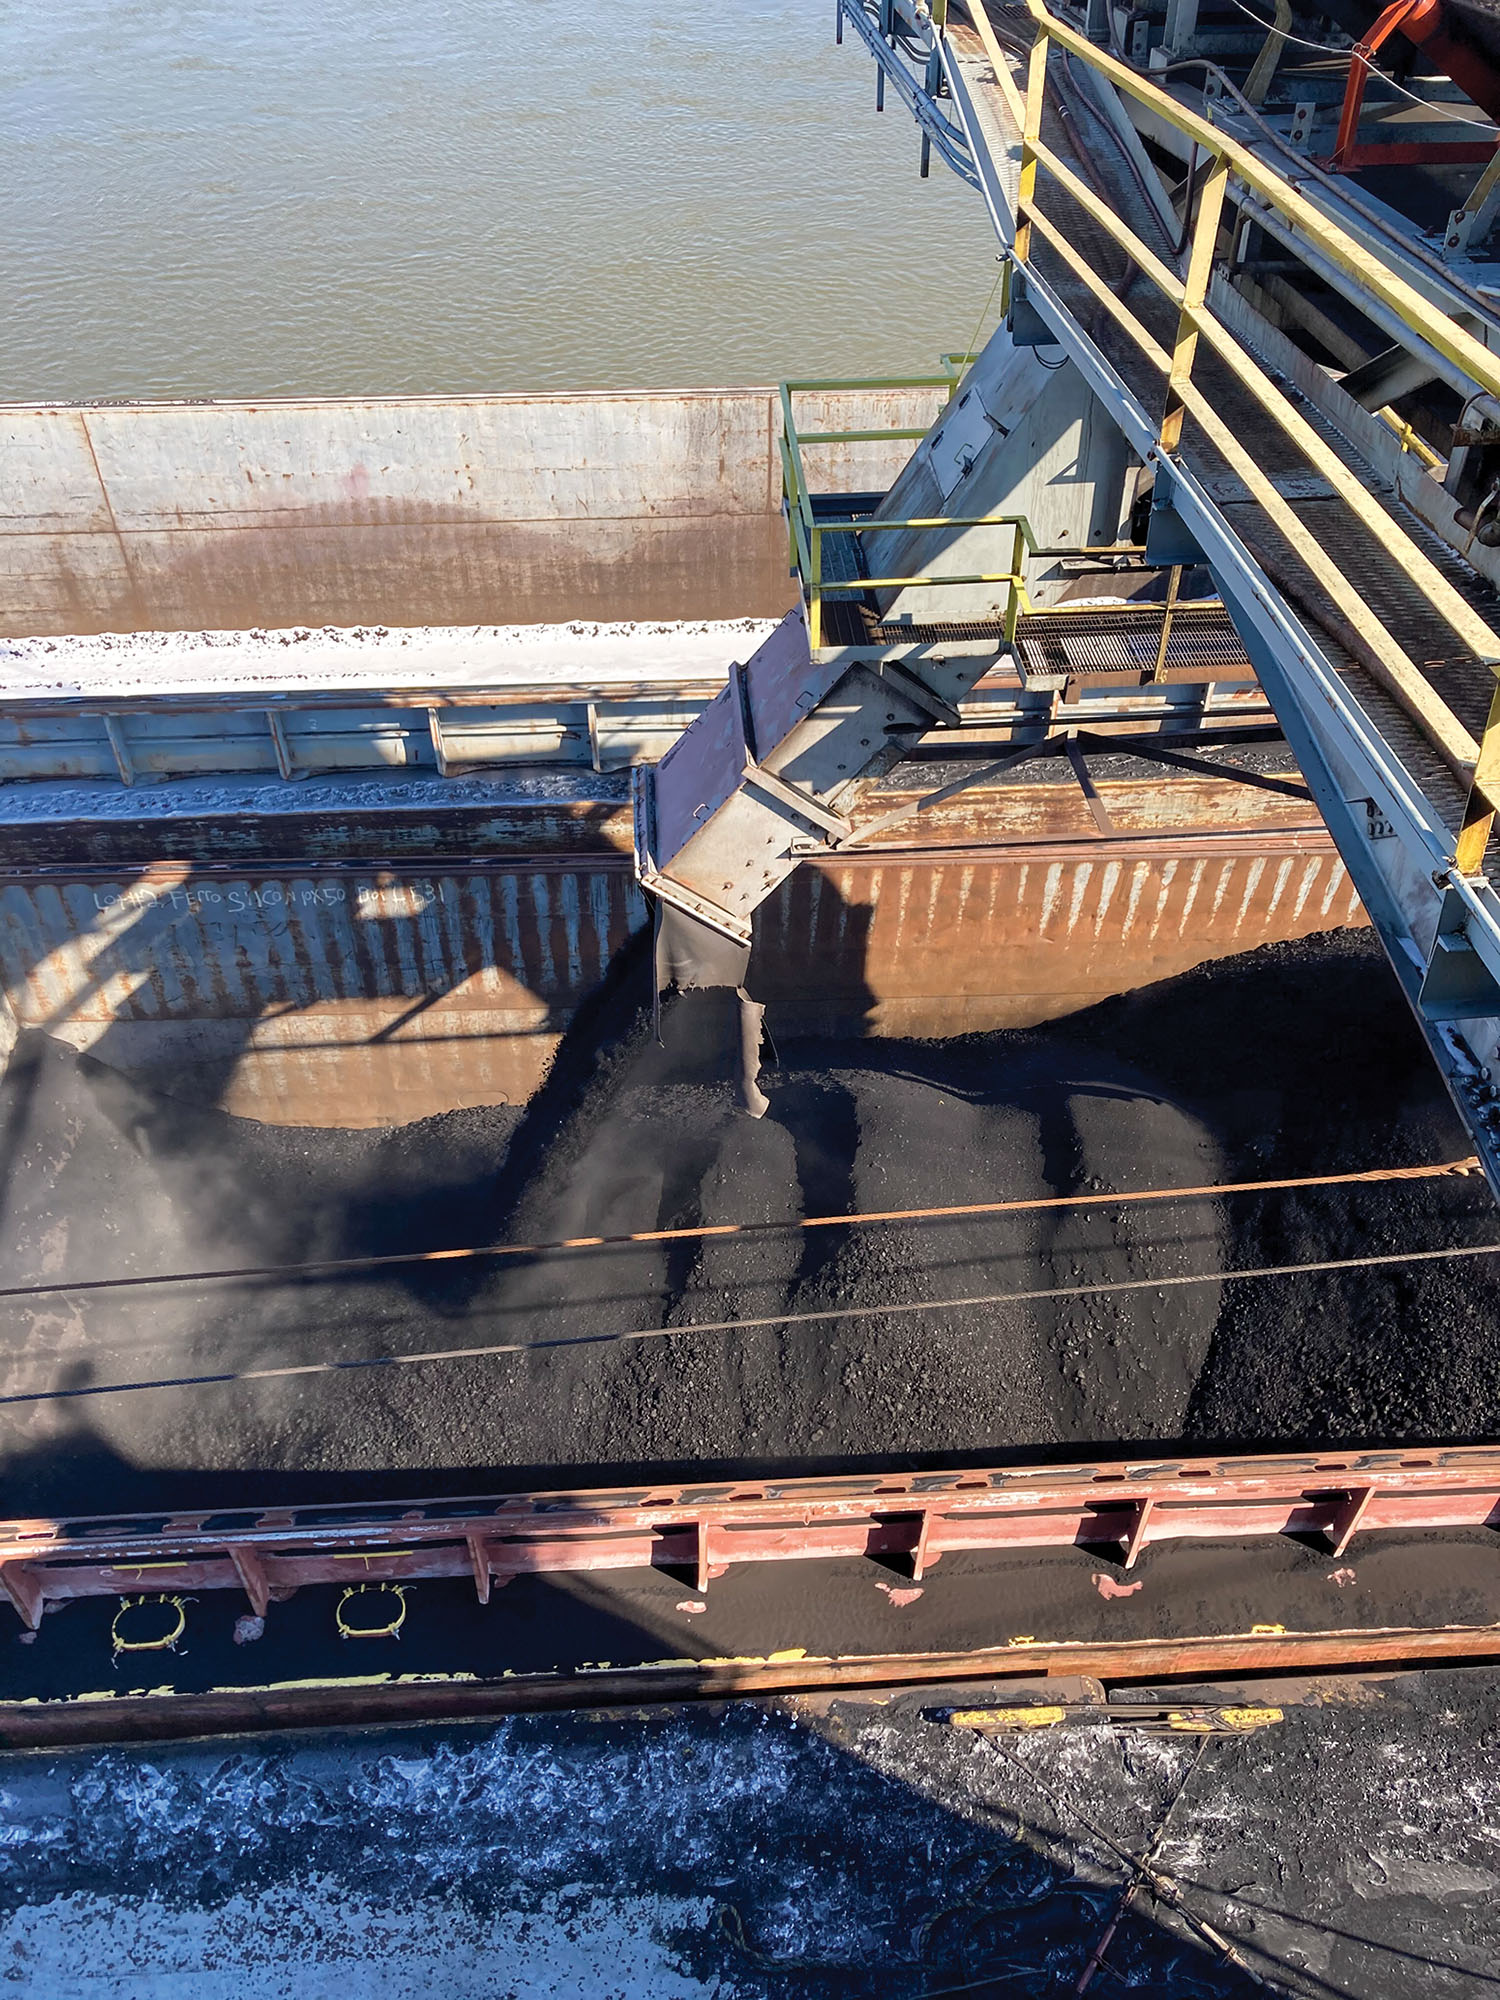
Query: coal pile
(1294, 1060)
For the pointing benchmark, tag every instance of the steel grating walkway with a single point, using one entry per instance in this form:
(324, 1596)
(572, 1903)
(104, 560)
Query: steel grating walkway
(1126, 642)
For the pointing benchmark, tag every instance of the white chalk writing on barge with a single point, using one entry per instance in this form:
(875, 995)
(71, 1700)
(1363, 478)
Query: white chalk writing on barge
(400, 899)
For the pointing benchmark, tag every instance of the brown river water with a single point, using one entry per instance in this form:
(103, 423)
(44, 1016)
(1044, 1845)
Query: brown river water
(212, 198)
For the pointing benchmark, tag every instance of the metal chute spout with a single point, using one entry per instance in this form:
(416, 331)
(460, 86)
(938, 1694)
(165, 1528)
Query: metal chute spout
(693, 956)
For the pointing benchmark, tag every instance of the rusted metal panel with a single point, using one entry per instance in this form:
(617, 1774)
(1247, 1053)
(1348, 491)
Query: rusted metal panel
(304, 1705)
(409, 511)
(1143, 805)
(974, 938)
(339, 994)
(427, 828)
(329, 996)
(231, 832)
(174, 942)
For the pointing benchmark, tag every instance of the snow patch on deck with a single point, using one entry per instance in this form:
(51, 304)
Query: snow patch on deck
(122, 666)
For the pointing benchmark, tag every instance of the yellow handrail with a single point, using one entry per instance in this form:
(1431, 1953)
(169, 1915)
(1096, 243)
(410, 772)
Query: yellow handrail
(1410, 441)
(1232, 165)
(1417, 313)
(806, 529)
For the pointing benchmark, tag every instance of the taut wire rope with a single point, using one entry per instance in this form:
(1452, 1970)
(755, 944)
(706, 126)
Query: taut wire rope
(884, 1311)
(330, 1266)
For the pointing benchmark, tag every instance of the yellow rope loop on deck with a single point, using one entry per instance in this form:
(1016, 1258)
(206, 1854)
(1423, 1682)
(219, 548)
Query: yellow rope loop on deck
(391, 1631)
(168, 1641)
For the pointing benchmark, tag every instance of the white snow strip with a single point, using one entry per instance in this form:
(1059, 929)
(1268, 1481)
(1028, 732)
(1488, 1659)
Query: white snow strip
(119, 666)
(312, 1941)
(69, 799)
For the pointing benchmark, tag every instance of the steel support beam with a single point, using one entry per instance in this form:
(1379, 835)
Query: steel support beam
(1129, 1506)
(1038, 1667)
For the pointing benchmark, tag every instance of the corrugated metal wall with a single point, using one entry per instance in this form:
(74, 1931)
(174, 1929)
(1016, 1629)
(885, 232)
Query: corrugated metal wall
(356, 996)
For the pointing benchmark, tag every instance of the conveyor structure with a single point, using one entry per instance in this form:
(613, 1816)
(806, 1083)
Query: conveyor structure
(1239, 409)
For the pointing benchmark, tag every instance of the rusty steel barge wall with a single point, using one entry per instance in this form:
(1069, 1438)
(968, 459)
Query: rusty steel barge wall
(415, 510)
(333, 991)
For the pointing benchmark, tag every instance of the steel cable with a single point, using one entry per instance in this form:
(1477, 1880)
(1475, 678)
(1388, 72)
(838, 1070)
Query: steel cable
(886, 1310)
(693, 1232)
(1163, 1888)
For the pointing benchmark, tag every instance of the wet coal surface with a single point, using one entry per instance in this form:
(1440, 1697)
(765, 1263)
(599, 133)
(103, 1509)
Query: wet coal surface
(1296, 1059)
(860, 1848)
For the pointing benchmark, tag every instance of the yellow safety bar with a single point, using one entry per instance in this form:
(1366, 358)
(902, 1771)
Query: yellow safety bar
(1409, 440)
(1380, 652)
(806, 531)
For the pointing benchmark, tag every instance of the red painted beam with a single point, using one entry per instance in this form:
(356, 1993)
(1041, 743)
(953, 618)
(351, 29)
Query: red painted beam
(1412, 153)
(708, 1527)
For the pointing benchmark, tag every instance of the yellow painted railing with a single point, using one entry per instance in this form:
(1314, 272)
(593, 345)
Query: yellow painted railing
(1408, 437)
(807, 529)
(1232, 167)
